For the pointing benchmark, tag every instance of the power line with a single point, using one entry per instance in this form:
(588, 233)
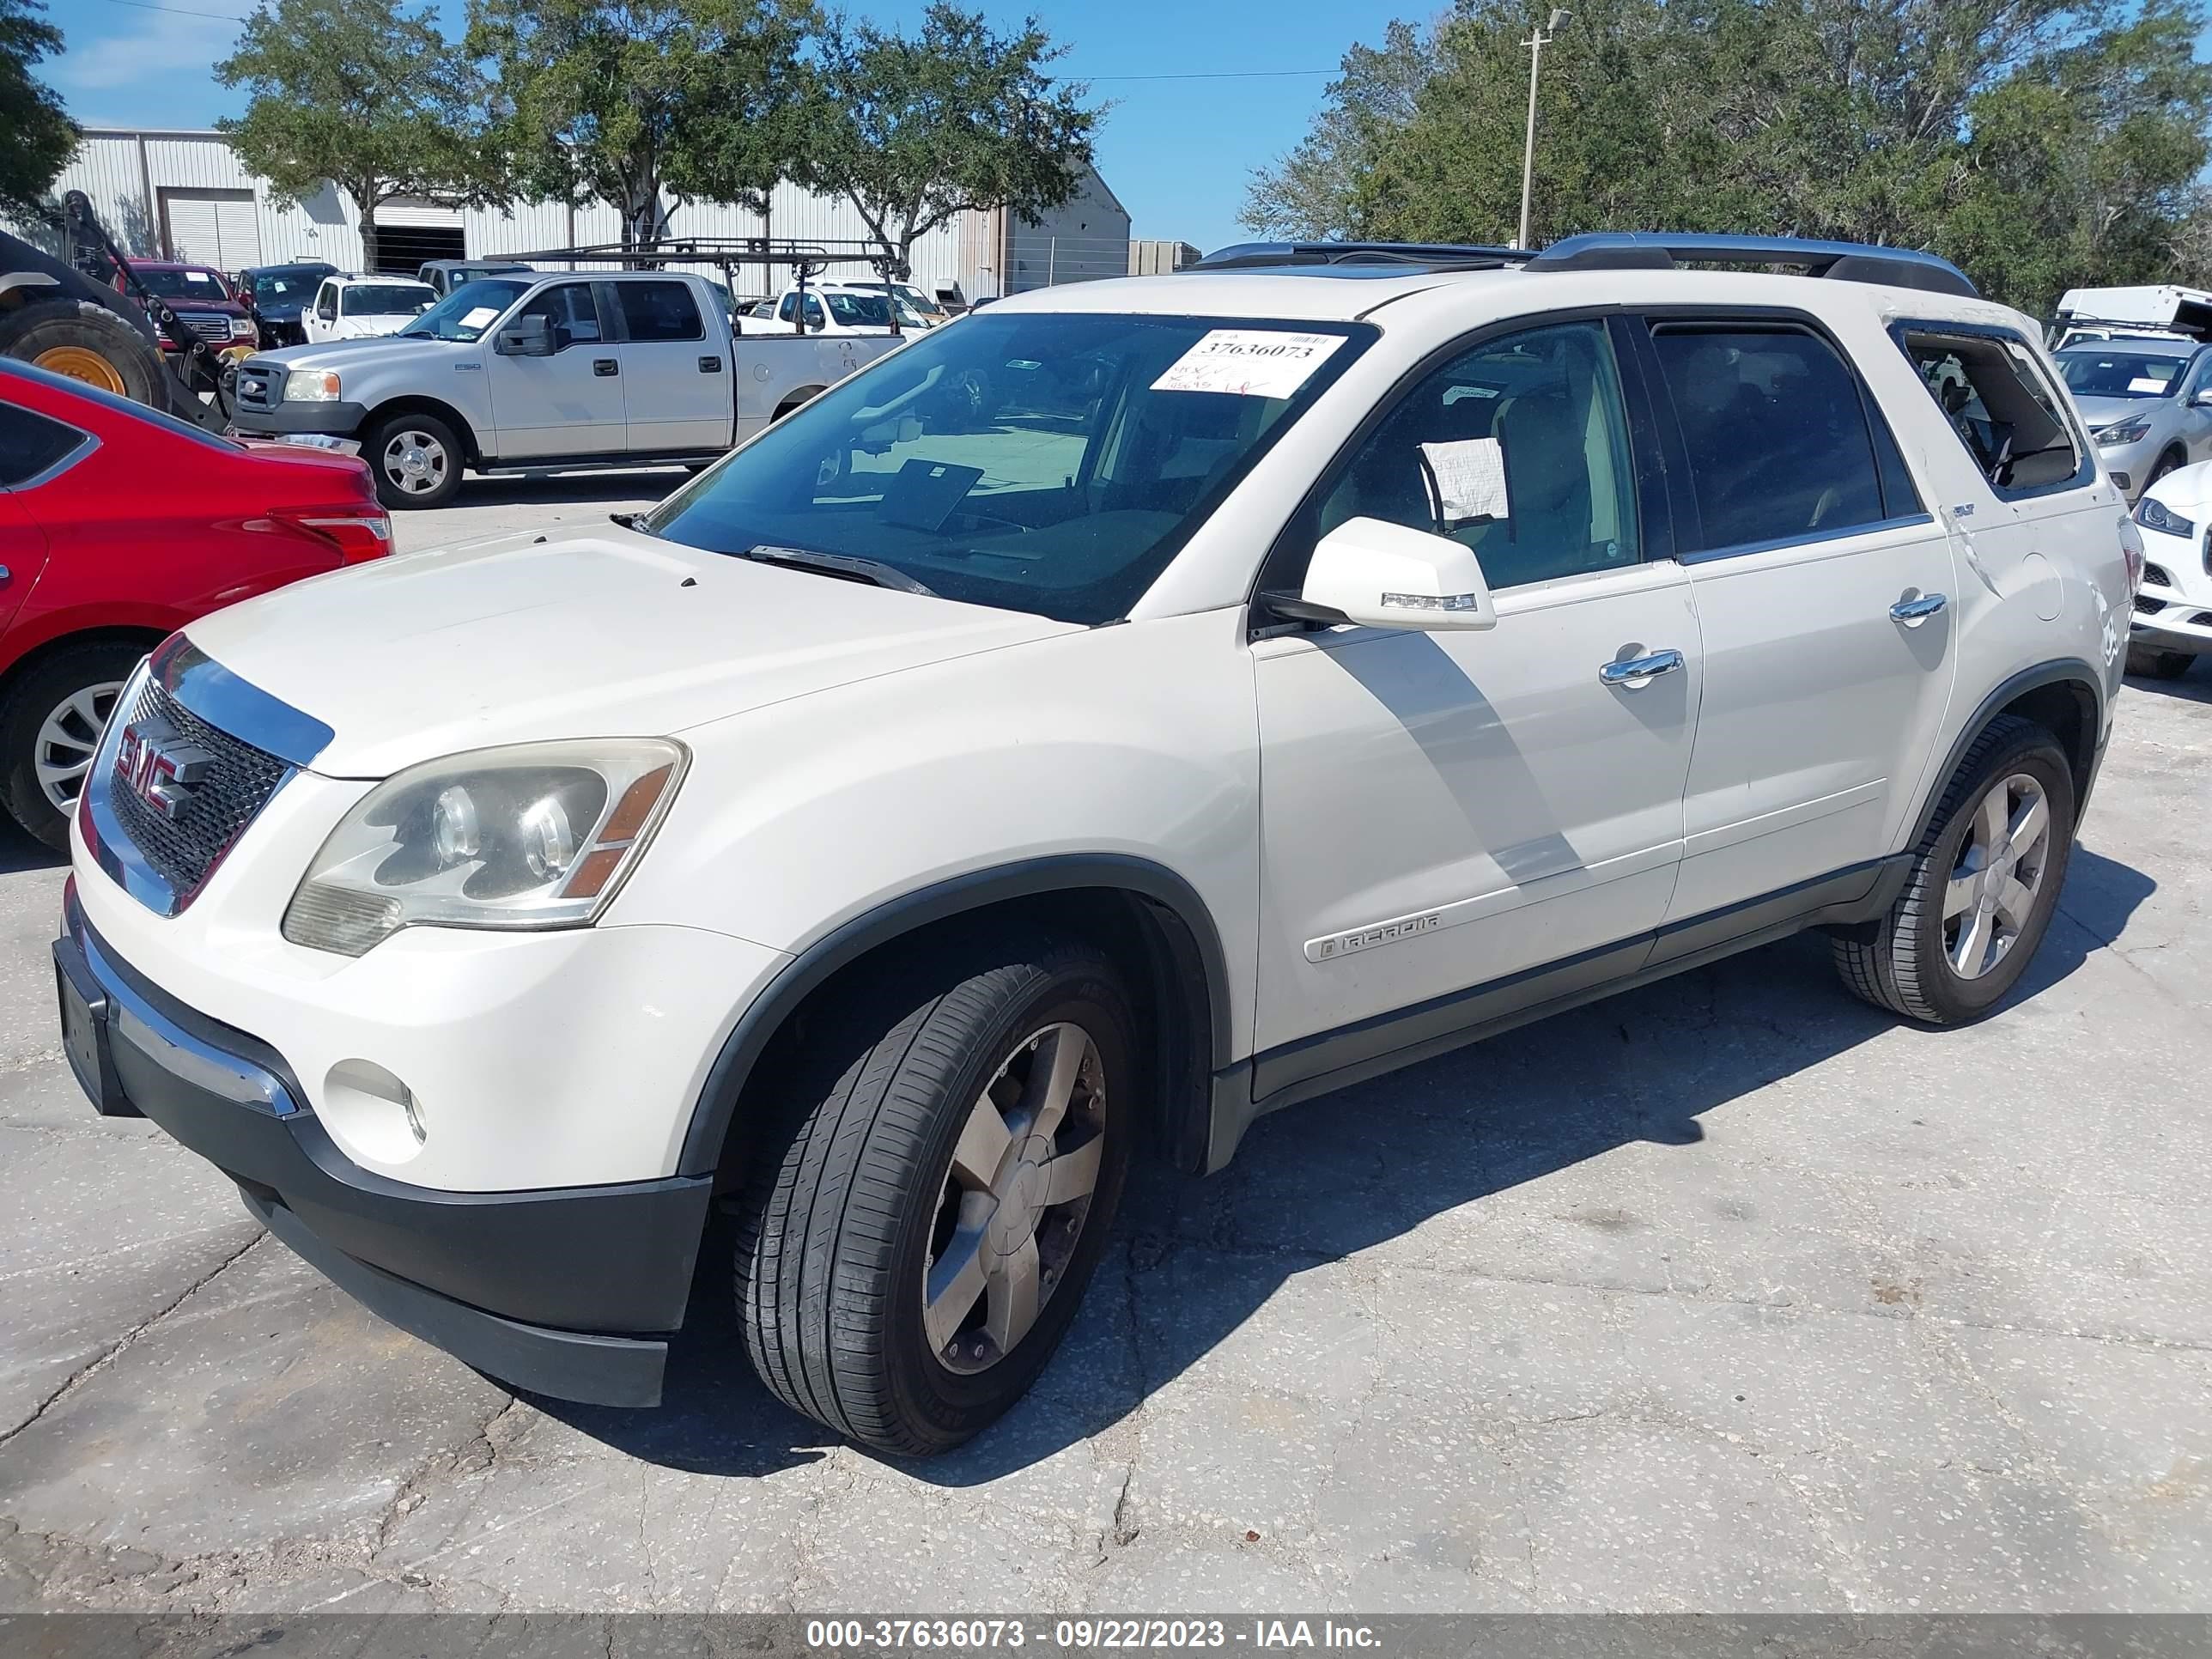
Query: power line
(1208, 75)
(181, 11)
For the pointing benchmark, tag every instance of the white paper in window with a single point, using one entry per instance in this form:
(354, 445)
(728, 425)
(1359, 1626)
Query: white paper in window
(1250, 362)
(1470, 480)
(479, 317)
(2147, 383)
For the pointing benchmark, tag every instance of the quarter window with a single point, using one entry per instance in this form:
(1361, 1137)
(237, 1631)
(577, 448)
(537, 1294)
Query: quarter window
(1995, 397)
(1775, 435)
(1518, 450)
(659, 311)
(31, 444)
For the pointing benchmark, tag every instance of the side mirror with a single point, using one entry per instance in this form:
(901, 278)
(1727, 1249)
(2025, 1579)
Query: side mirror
(1380, 575)
(525, 337)
(2202, 399)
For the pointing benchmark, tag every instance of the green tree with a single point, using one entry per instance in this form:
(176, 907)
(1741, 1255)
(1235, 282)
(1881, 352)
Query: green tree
(631, 101)
(37, 137)
(914, 130)
(360, 95)
(2041, 143)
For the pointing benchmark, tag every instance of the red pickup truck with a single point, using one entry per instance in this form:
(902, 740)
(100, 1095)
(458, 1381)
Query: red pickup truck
(120, 525)
(204, 302)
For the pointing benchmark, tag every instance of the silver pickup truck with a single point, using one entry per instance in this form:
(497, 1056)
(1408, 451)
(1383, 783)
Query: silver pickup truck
(530, 372)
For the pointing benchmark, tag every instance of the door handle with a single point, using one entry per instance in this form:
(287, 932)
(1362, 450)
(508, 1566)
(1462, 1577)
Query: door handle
(710, 365)
(1913, 612)
(1634, 673)
(604, 367)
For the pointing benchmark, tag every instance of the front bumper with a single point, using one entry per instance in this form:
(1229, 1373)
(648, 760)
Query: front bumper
(339, 420)
(2173, 606)
(569, 1291)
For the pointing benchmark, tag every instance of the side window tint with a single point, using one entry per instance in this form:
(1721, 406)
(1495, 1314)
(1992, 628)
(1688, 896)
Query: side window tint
(1519, 449)
(1996, 398)
(569, 307)
(30, 443)
(788, 309)
(326, 304)
(658, 311)
(1777, 436)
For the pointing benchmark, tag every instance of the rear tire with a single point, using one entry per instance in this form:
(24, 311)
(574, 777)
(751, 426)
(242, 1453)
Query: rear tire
(2153, 664)
(84, 342)
(49, 722)
(1983, 887)
(922, 1172)
(417, 460)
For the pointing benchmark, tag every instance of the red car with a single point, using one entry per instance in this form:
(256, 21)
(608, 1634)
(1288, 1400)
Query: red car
(118, 525)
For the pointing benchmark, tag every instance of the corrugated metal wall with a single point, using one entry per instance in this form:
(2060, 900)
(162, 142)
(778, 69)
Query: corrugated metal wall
(1086, 239)
(125, 173)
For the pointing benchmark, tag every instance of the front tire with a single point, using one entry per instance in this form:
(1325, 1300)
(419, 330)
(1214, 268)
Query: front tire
(909, 1259)
(49, 724)
(2150, 663)
(417, 460)
(1983, 884)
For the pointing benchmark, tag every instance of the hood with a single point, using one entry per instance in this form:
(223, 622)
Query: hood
(371, 328)
(590, 632)
(341, 355)
(2100, 412)
(206, 307)
(2186, 489)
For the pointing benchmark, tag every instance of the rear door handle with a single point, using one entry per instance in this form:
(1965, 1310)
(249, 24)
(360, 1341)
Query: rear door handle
(1634, 673)
(710, 365)
(604, 367)
(1913, 612)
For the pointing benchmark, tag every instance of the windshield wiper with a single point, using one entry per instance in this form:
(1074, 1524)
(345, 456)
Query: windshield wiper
(630, 521)
(847, 565)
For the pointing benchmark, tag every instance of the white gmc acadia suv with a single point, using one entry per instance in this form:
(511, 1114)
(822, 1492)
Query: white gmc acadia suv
(1135, 708)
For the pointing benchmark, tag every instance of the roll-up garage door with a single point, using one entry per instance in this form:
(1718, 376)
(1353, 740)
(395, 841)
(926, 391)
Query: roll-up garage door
(217, 228)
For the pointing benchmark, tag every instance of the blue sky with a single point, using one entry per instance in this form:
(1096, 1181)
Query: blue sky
(1177, 152)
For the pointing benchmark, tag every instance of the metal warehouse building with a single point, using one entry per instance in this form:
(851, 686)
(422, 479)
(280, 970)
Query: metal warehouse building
(188, 196)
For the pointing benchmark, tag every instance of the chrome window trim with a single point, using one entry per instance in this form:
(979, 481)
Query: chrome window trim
(86, 444)
(1810, 539)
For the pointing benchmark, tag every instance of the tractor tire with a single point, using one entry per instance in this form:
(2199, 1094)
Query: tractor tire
(79, 339)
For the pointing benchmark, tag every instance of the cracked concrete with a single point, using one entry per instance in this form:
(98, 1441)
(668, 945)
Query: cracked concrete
(1729, 1295)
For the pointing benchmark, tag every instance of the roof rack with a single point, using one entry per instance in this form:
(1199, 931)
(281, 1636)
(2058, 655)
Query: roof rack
(725, 251)
(1252, 256)
(1851, 261)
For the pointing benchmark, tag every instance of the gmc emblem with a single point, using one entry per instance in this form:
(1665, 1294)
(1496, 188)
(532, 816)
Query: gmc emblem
(158, 767)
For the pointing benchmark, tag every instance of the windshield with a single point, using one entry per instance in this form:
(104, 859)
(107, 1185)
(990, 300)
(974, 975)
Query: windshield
(188, 283)
(385, 300)
(1051, 463)
(2120, 373)
(468, 311)
(287, 287)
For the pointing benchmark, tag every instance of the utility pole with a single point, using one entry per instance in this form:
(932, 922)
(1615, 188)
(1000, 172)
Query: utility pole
(1537, 40)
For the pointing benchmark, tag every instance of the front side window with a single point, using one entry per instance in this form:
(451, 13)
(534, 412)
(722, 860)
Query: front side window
(1052, 463)
(326, 304)
(1518, 449)
(31, 445)
(1989, 389)
(570, 309)
(1775, 434)
(659, 311)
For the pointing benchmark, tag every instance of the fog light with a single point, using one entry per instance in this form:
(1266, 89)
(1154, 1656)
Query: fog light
(372, 1113)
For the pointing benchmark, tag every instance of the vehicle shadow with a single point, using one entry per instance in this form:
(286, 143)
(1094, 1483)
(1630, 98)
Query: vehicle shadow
(645, 484)
(1327, 1179)
(2193, 686)
(19, 852)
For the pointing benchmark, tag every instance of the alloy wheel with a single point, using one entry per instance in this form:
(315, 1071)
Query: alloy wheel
(62, 753)
(415, 461)
(1992, 892)
(1016, 1198)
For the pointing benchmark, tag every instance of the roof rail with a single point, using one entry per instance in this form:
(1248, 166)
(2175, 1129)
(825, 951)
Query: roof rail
(1250, 256)
(1851, 262)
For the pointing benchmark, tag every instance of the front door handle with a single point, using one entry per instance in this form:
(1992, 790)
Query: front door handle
(604, 367)
(1634, 673)
(1913, 612)
(710, 365)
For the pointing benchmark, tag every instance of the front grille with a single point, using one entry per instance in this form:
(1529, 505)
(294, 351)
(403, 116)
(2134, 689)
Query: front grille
(2147, 606)
(239, 781)
(207, 325)
(2156, 572)
(260, 385)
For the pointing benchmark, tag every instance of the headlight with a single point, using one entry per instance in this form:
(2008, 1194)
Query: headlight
(242, 328)
(311, 385)
(536, 835)
(2127, 431)
(2156, 515)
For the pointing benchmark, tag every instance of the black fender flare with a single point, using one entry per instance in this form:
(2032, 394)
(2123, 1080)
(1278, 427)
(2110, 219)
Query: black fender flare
(715, 1109)
(2070, 672)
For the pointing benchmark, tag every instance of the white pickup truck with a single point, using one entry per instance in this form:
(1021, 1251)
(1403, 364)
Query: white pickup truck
(533, 371)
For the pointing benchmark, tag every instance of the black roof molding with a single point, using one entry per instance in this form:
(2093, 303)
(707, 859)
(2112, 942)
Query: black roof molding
(1428, 256)
(1851, 261)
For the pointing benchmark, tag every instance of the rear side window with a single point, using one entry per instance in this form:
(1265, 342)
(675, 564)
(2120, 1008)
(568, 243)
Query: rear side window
(659, 311)
(1996, 399)
(31, 445)
(1776, 435)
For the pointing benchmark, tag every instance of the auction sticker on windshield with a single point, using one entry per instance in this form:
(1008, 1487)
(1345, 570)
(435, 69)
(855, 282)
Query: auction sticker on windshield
(1250, 362)
(479, 317)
